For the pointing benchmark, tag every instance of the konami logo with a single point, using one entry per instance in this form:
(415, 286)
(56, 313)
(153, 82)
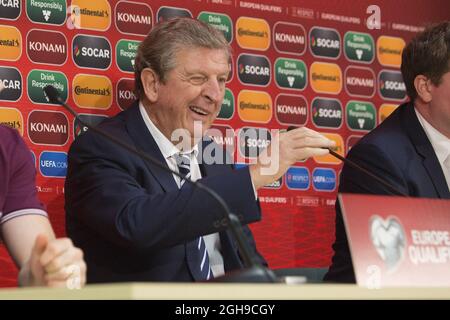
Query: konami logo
(47, 47)
(289, 38)
(133, 18)
(48, 127)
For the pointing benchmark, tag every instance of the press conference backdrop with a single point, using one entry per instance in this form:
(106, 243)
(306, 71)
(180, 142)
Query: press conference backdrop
(330, 65)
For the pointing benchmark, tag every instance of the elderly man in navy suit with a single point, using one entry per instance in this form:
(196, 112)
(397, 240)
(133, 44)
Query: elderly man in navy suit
(137, 222)
(411, 148)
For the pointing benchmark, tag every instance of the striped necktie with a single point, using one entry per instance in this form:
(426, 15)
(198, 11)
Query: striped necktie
(201, 254)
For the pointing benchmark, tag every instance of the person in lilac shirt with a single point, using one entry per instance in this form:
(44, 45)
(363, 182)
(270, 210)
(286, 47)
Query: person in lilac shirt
(25, 229)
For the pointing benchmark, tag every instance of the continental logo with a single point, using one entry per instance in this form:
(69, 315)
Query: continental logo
(389, 51)
(326, 77)
(91, 119)
(167, 13)
(289, 38)
(252, 33)
(326, 113)
(291, 109)
(359, 47)
(133, 18)
(339, 148)
(324, 179)
(391, 85)
(220, 21)
(37, 80)
(361, 116)
(290, 73)
(53, 164)
(254, 106)
(10, 9)
(10, 43)
(91, 52)
(252, 141)
(359, 81)
(47, 12)
(253, 69)
(11, 82)
(48, 127)
(125, 93)
(92, 92)
(125, 54)
(385, 111)
(298, 178)
(12, 117)
(351, 141)
(47, 47)
(91, 15)
(227, 108)
(325, 42)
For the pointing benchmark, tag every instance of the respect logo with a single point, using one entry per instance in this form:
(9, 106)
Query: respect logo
(10, 43)
(254, 106)
(289, 38)
(91, 15)
(290, 73)
(92, 92)
(389, 51)
(325, 42)
(12, 117)
(252, 33)
(326, 77)
(254, 69)
(297, 178)
(133, 18)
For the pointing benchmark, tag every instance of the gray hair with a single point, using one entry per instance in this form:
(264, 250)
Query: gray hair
(159, 49)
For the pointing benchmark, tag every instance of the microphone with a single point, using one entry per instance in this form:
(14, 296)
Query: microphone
(254, 271)
(361, 169)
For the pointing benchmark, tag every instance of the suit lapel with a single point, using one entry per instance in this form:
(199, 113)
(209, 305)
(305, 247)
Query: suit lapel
(424, 148)
(145, 142)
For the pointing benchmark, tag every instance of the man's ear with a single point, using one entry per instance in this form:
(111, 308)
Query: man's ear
(423, 88)
(150, 84)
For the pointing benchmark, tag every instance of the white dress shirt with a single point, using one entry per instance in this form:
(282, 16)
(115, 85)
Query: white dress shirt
(440, 143)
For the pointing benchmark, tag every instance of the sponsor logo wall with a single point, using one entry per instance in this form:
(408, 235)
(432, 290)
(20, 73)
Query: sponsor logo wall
(293, 64)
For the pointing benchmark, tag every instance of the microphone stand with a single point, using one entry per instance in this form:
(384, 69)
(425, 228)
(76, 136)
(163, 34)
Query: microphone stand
(254, 271)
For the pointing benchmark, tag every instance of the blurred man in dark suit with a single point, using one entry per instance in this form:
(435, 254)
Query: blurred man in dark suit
(411, 148)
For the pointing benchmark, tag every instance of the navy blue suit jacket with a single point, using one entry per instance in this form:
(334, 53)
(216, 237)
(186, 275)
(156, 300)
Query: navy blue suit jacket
(399, 151)
(130, 218)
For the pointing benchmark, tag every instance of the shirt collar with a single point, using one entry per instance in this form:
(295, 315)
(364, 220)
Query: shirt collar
(167, 148)
(440, 143)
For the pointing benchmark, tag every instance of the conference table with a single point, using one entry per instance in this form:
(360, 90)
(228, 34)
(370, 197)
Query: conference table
(226, 291)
